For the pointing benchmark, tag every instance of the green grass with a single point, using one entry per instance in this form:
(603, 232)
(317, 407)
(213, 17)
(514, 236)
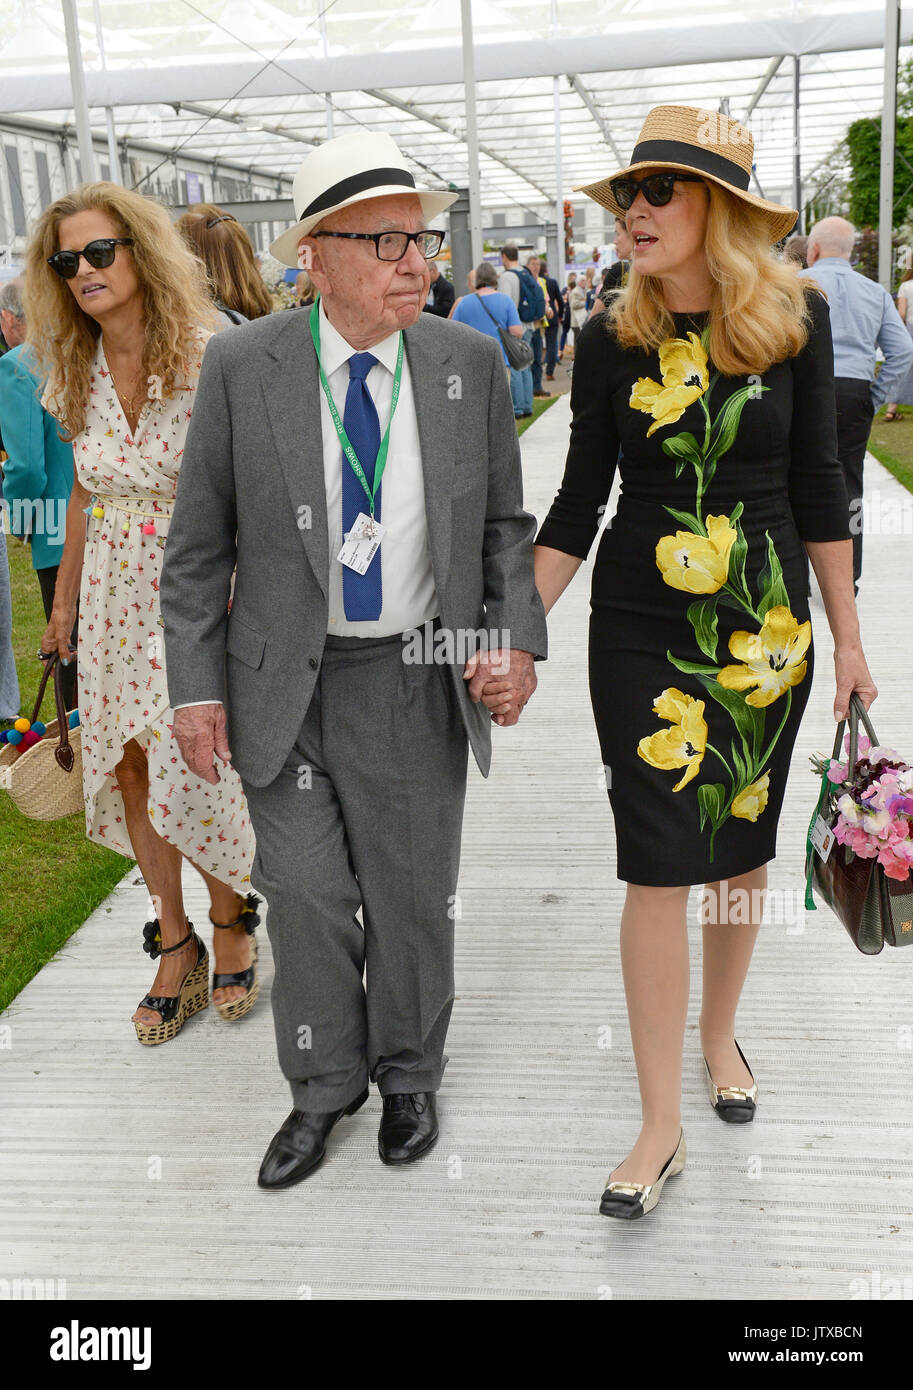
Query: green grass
(51, 876)
(892, 445)
(539, 405)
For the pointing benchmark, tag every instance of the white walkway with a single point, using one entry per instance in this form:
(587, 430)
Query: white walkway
(116, 1160)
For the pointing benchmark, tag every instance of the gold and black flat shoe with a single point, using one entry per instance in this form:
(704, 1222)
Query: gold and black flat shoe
(246, 979)
(734, 1104)
(631, 1200)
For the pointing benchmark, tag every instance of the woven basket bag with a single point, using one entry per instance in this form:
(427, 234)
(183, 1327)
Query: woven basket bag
(45, 781)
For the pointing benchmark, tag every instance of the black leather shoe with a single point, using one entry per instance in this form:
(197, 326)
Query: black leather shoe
(299, 1146)
(408, 1127)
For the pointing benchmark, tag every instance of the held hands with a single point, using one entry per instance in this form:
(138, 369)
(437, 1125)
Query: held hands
(202, 730)
(503, 680)
(852, 675)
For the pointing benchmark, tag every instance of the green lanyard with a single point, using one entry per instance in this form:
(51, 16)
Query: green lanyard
(347, 449)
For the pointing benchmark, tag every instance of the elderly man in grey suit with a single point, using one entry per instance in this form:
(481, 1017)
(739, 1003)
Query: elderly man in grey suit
(358, 466)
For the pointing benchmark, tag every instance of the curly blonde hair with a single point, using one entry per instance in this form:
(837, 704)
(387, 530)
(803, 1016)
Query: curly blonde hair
(176, 300)
(225, 249)
(758, 311)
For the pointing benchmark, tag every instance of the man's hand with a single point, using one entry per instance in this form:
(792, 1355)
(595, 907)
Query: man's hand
(202, 730)
(503, 680)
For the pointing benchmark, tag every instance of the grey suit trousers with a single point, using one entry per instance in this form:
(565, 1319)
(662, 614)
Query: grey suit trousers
(367, 813)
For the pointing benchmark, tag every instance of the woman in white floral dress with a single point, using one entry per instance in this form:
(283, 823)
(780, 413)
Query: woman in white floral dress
(120, 317)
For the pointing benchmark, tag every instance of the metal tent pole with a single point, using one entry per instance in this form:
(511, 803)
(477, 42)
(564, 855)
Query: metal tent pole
(113, 155)
(556, 262)
(888, 136)
(472, 134)
(797, 159)
(328, 105)
(78, 88)
(556, 266)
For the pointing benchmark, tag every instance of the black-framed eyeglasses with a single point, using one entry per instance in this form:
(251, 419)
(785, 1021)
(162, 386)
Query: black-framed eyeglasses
(656, 188)
(98, 253)
(225, 217)
(392, 246)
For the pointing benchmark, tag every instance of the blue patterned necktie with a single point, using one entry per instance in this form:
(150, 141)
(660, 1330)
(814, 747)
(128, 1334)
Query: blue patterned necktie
(362, 595)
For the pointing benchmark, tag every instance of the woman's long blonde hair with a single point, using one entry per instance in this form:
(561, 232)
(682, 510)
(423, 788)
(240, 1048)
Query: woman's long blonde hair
(758, 310)
(225, 249)
(176, 301)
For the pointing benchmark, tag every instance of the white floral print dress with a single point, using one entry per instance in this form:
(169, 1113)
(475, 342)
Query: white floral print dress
(121, 675)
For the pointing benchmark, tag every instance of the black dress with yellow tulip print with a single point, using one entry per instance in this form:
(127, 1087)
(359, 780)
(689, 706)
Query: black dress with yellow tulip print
(701, 650)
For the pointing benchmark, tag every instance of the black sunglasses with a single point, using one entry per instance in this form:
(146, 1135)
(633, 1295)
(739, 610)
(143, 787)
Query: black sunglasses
(98, 253)
(656, 188)
(392, 246)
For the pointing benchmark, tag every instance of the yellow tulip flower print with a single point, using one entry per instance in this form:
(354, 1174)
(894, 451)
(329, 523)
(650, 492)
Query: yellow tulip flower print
(681, 745)
(683, 367)
(697, 564)
(772, 660)
(750, 802)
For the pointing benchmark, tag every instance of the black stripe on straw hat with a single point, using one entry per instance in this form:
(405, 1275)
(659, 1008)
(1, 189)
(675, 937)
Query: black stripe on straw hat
(695, 156)
(356, 183)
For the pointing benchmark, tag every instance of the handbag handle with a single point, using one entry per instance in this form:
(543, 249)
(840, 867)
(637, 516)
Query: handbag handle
(63, 753)
(857, 711)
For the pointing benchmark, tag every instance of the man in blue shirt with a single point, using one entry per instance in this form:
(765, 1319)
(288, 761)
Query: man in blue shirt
(863, 318)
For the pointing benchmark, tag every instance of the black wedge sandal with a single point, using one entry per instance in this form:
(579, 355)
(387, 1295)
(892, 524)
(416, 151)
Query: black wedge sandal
(246, 979)
(175, 1009)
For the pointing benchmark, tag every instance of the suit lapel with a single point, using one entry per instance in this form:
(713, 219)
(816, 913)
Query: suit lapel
(291, 392)
(431, 384)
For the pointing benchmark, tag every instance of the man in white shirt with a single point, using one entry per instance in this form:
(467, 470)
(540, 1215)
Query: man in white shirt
(358, 464)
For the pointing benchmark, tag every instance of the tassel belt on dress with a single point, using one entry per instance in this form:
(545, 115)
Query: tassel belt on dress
(163, 507)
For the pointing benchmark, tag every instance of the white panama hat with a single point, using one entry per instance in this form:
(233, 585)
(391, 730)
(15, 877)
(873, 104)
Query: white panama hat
(346, 170)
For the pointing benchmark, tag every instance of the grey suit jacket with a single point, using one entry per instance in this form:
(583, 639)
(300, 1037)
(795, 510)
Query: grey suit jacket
(251, 493)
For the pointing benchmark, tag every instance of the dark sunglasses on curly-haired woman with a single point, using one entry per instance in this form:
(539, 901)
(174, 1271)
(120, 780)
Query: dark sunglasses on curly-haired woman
(99, 253)
(656, 188)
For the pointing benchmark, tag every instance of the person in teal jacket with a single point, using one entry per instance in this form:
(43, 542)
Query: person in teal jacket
(37, 478)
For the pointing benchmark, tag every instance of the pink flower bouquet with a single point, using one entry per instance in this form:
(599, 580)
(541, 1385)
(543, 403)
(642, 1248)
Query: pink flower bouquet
(874, 802)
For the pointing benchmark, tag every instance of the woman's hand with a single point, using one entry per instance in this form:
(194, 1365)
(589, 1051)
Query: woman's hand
(56, 637)
(852, 675)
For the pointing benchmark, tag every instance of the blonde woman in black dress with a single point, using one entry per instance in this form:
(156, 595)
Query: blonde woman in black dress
(713, 372)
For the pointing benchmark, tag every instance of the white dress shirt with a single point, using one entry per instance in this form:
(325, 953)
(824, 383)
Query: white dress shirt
(409, 594)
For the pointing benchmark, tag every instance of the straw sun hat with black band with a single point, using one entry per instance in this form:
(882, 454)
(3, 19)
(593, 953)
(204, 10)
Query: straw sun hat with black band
(350, 169)
(695, 141)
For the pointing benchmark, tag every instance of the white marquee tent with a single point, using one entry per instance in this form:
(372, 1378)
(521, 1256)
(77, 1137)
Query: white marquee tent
(560, 86)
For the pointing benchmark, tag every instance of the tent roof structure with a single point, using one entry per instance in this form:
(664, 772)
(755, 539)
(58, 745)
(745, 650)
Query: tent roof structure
(258, 82)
